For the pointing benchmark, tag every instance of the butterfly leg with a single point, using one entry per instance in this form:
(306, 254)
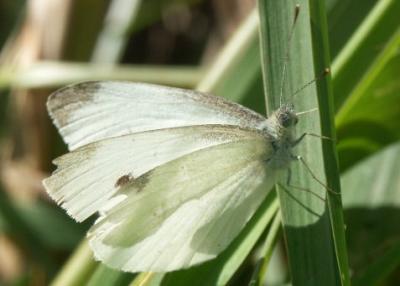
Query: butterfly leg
(300, 159)
(288, 179)
(298, 140)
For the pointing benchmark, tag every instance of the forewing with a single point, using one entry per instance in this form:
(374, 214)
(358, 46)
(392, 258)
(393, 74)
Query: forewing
(87, 178)
(91, 111)
(186, 211)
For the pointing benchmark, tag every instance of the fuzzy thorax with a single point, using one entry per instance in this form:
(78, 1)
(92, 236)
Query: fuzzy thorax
(280, 129)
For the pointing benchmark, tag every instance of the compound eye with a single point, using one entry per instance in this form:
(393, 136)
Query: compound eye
(286, 121)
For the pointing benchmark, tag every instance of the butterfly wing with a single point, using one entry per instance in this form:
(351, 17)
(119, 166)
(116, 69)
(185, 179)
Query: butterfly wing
(86, 178)
(91, 111)
(174, 174)
(186, 211)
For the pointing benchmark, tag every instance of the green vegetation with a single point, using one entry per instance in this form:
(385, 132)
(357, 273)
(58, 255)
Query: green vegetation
(295, 237)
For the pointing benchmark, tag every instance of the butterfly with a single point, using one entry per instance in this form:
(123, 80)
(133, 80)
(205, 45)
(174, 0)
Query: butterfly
(174, 174)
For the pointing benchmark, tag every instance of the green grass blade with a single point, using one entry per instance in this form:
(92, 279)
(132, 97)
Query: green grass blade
(355, 60)
(266, 252)
(371, 196)
(326, 104)
(148, 279)
(78, 269)
(113, 39)
(106, 276)
(368, 120)
(344, 17)
(314, 231)
(55, 74)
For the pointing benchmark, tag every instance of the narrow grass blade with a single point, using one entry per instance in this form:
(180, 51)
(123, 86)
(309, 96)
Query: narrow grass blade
(355, 60)
(368, 121)
(266, 252)
(106, 276)
(314, 230)
(344, 17)
(112, 40)
(55, 74)
(78, 268)
(148, 279)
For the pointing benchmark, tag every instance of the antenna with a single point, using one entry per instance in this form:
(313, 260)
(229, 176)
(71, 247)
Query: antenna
(323, 74)
(286, 59)
(307, 111)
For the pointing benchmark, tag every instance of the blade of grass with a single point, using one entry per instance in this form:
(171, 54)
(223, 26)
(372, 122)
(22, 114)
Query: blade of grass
(369, 119)
(360, 90)
(355, 60)
(335, 207)
(344, 17)
(266, 252)
(106, 276)
(371, 196)
(314, 231)
(148, 279)
(55, 74)
(112, 40)
(78, 269)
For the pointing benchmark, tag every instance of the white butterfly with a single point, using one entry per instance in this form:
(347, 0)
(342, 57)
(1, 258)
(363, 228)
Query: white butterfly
(174, 174)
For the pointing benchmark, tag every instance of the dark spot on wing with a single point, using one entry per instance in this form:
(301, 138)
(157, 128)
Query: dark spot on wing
(122, 181)
(132, 184)
(142, 181)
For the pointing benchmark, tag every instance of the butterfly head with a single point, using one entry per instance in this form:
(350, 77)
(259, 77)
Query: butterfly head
(286, 116)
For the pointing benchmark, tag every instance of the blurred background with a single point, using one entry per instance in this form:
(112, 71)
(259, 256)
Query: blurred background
(210, 45)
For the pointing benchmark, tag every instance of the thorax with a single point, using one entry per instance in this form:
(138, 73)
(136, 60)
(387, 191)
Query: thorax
(281, 141)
